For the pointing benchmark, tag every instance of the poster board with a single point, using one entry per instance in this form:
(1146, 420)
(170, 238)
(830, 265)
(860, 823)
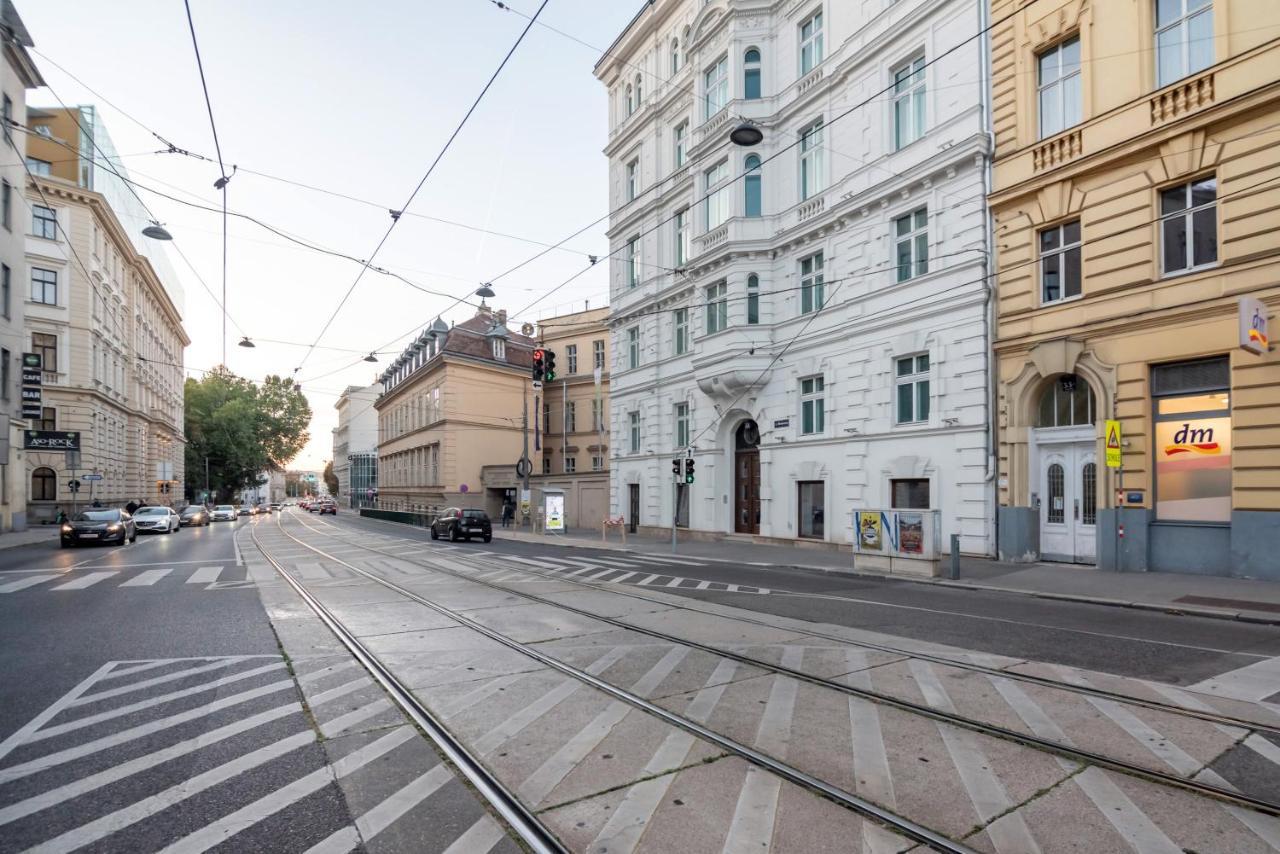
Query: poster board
(899, 541)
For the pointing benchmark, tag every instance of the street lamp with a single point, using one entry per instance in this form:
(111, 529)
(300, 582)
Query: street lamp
(156, 231)
(485, 290)
(245, 342)
(371, 358)
(746, 134)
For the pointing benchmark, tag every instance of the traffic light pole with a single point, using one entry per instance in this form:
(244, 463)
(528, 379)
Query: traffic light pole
(675, 511)
(524, 399)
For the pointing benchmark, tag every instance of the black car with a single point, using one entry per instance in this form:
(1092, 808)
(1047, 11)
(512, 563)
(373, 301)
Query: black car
(193, 515)
(458, 524)
(99, 526)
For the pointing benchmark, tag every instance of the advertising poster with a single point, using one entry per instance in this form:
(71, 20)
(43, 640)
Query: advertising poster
(555, 512)
(869, 535)
(1193, 469)
(911, 533)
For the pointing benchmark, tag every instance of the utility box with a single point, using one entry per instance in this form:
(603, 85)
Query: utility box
(897, 542)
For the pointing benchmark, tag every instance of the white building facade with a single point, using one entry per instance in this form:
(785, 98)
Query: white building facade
(807, 318)
(355, 445)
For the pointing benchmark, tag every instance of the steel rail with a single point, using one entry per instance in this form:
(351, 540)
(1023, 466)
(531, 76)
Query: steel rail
(897, 823)
(1026, 739)
(522, 821)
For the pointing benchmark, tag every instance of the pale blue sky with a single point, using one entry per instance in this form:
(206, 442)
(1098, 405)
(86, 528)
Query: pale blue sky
(358, 99)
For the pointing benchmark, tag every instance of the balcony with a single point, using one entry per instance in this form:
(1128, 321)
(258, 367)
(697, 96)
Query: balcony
(1058, 150)
(1182, 98)
(729, 370)
(712, 239)
(813, 78)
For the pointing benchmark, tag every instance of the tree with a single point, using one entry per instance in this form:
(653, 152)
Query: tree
(241, 429)
(330, 479)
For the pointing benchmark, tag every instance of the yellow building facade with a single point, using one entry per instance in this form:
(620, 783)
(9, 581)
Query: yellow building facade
(1134, 223)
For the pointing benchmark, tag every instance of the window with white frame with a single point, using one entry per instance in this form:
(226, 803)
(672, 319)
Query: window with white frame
(570, 465)
(812, 162)
(1060, 262)
(715, 184)
(813, 416)
(717, 307)
(633, 179)
(675, 55)
(715, 87)
(682, 426)
(44, 222)
(1189, 225)
(752, 186)
(911, 244)
(630, 100)
(571, 356)
(39, 167)
(753, 299)
(596, 424)
(633, 430)
(597, 354)
(639, 92)
(810, 43)
(500, 349)
(1061, 106)
(908, 102)
(680, 331)
(751, 74)
(631, 259)
(633, 347)
(812, 283)
(597, 463)
(571, 417)
(680, 138)
(1184, 38)
(911, 380)
(681, 244)
(44, 286)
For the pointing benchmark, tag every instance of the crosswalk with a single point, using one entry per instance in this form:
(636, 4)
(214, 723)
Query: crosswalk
(212, 577)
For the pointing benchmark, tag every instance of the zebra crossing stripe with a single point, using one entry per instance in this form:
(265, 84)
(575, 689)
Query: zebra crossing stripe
(29, 581)
(648, 578)
(146, 579)
(205, 575)
(85, 581)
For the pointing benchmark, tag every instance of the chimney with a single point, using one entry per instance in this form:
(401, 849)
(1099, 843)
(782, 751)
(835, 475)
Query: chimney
(502, 317)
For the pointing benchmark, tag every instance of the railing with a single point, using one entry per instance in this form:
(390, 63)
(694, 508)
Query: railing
(811, 208)
(810, 80)
(713, 238)
(1057, 151)
(1182, 99)
(713, 125)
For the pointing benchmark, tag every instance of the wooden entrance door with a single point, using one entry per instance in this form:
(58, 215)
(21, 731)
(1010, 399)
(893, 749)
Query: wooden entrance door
(633, 502)
(746, 491)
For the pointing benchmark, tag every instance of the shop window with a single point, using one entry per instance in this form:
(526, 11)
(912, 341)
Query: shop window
(812, 509)
(1067, 402)
(44, 485)
(1192, 410)
(909, 493)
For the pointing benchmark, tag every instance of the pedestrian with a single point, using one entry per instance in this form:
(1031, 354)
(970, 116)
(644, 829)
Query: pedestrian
(97, 503)
(62, 516)
(131, 507)
(508, 513)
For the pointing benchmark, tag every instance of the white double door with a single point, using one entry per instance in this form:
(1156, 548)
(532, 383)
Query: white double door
(1069, 501)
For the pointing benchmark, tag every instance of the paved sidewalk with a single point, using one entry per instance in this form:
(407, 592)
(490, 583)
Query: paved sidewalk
(1203, 596)
(36, 534)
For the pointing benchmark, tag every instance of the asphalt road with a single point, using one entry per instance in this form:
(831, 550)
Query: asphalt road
(1145, 644)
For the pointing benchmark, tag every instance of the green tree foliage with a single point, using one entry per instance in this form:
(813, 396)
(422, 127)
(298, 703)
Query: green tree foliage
(242, 428)
(330, 479)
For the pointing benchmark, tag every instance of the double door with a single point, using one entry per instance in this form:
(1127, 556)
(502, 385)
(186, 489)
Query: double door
(1069, 502)
(746, 492)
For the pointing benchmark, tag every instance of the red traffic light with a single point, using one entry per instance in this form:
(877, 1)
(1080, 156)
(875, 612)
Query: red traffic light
(539, 356)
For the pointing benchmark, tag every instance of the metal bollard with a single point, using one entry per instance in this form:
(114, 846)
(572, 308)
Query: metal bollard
(954, 570)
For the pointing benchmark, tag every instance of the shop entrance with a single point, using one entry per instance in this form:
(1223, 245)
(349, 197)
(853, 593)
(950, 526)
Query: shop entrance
(746, 479)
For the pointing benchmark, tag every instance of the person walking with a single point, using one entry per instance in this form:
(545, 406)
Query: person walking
(131, 507)
(508, 513)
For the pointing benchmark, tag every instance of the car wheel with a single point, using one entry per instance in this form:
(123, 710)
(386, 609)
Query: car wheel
(66, 545)
(435, 535)
(488, 538)
(453, 535)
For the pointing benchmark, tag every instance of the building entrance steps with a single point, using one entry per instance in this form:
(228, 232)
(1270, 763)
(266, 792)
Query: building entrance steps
(1244, 599)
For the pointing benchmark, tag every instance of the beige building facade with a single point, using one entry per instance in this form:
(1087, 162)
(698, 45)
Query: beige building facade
(1133, 207)
(450, 407)
(573, 428)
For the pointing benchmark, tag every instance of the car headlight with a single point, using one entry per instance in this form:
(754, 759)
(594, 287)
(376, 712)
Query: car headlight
(66, 529)
(115, 527)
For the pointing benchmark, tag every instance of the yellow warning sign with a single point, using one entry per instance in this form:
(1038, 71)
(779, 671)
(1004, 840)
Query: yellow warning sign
(1113, 444)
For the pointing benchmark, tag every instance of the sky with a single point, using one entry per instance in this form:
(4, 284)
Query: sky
(356, 100)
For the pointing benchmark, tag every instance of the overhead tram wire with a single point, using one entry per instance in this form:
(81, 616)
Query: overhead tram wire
(395, 215)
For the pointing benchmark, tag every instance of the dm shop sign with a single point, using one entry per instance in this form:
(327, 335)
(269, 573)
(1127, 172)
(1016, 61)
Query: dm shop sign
(51, 440)
(1253, 325)
(1193, 469)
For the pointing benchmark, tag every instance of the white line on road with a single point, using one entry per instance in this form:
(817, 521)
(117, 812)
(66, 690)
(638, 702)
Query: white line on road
(205, 575)
(1253, 682)
(24, 583)
(63, 702)
(85, 581)
(147, 578)
(648, 578)
(217, 664)
(479, 838)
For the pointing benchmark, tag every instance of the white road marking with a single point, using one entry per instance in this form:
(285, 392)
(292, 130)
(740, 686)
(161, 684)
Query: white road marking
(24, 583)
(871, 771)
(675, 582)
(1252, 682)
(85, 580)
(217, 664)
(311, 571)
(147, 578)
(600, 574)
(703, 585)
(479, 838)
(205, 575)
(652, 558)
(65, 701)
(647, 579)
(382, 816)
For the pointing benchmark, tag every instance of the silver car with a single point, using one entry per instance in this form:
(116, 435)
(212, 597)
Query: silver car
(156, 520)
(224, 513)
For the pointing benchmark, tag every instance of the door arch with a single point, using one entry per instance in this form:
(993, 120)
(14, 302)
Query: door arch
(1066, 469)
(746, 478)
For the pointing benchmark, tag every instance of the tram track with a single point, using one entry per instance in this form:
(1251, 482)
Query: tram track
(1068, 751)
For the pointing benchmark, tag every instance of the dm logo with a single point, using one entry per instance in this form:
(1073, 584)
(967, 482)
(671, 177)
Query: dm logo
(1190, 440)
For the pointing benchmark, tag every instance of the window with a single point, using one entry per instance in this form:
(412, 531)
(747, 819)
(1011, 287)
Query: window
(631, 100)
(571, 417)
(812, 167)
(546, 465)
(597, 352)
(44, 286)
(633, 347)
(1189, 225)
(751, 74)
(753, 299)
(911, 244)
(633, 262)
(6, 205)
(682, 426)
(1067, 402)
(1192, 440)
(48, 419)
(812, 508)
(597, 463)
(682, 237)
(1184, 38)
(6, 116)
(908, 103)
(675, 55)
(680, 334)
(570, 465)
(500, 349)
(4, 374)
(44, 485)
(717, 204)
(752, 189)
(810, 43)
(1060, 102)
(44, 222)
(39, 167)
(813, 415)
(633, 179)
(633, 428)
(639, 92)
(715, 83)
(571, 356)
(680, 136)
(811, 283)
(6, 291)
(717, 307)
(912, 382)
(46, 346)
(1060, 262)
(909, 493)
(597, 424)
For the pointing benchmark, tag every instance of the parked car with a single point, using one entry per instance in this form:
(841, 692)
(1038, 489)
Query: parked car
(223, 513)
(458, 524)
(330, 507)
(99, 526)
(156, 520)
(193, 515)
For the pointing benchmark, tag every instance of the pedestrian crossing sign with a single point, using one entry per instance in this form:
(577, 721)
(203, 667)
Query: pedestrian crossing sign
(1113, 444)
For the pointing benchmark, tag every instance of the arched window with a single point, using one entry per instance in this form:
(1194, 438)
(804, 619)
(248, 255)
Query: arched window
(752, 188)
(751, 74)
(1067, 402)
(44, 485)
(675, 55)
(631, 100)
(639, 92)
(753, 299)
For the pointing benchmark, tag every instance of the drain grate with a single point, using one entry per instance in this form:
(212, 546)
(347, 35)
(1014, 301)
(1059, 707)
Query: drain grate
(1215, 602)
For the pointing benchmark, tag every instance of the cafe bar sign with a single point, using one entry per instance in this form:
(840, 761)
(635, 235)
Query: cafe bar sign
(32, 384)
(51, 440)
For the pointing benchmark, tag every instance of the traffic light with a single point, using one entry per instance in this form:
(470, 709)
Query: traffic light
(688, 470)
(549, 368)
(539, 364)
(677, 468)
